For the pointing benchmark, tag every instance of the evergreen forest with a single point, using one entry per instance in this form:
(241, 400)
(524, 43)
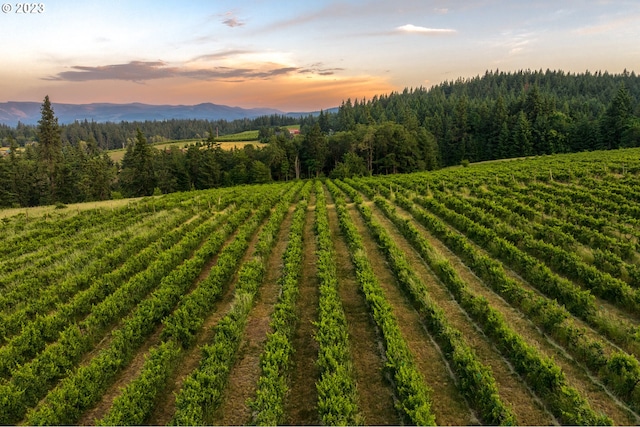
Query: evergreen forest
(493, 116)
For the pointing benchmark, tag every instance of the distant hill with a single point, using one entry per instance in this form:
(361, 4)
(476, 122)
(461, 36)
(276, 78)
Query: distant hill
(29, 112)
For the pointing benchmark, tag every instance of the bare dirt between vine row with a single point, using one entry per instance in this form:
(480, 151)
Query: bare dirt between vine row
(529, 410)
(300, 404)
(244, 375)
(576, 374)
(133, 369)
(375, 395)
(449, 407)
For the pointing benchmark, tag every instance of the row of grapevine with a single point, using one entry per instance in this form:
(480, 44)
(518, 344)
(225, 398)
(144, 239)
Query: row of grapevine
(202, 390)
(31, 380)
(476, 381)
(49, 263)
(562, 231)
(275, 359)
(47, 269)
(542, 374)
(412, 392)
(619, 370)
(80, 390)
(136, 402)
(337, 394)
(114, 259)
(609, 254)
(48, 233)
(597, 213)
(579, 302)
(569, 264)
(103, 298)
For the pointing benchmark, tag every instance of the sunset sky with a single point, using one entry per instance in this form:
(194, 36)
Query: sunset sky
(297, 55)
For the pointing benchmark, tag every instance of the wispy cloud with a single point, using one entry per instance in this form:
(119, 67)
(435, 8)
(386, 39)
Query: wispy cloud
(609, 26)
(141, 71)
(329, 13)
(233, 22)
(414, 29)
(230, 20)
(515, 42)
(319, 69)
(226, 54)
(135, 71)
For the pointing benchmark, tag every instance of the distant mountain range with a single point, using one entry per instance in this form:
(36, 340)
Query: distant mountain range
(29, 112)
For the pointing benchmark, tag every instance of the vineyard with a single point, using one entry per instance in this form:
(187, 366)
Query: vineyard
(499, 293)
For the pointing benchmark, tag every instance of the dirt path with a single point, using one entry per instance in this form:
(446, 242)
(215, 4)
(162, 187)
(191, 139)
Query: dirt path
(576, 375)
(245, 373)
(301, 402)
(375, 395)
(449, 407)
(513, 392)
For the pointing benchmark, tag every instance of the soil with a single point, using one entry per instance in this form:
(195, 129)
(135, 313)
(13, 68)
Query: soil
(375, 395)
(514, 393)
(301, 401)
(449, 407)
(577, 376)
(245, 373)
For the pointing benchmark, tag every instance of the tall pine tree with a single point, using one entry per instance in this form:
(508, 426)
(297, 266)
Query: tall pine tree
(137, 177)
(616, 118)
(49, 152)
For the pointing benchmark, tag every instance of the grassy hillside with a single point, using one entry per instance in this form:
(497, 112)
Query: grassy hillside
(498, 293)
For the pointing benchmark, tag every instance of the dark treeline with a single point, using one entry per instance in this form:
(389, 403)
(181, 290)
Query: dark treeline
(110, 135)
(497, 115)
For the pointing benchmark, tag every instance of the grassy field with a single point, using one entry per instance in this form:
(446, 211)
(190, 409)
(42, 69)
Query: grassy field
(63, 210)
(499, 293)
(118, 155)
(227, 142)
(250, 135)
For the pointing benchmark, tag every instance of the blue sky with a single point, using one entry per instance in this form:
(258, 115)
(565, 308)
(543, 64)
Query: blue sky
(297, 55)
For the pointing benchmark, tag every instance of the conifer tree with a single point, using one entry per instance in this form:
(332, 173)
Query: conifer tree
(616, 118)
(522, 139)
(49, 150)
(137, 177)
